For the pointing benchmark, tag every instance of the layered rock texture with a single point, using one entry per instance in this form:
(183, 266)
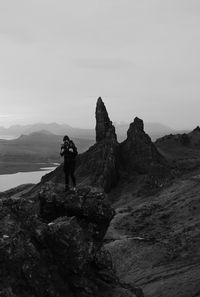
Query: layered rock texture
(54, 249)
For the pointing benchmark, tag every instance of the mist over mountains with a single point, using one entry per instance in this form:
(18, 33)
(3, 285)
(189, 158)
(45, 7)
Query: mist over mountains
(58, 129)
(155, 130)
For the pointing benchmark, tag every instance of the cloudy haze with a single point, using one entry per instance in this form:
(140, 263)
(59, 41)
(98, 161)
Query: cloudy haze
(141, 56)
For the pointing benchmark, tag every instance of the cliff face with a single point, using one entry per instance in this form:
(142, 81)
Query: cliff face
(55, 250)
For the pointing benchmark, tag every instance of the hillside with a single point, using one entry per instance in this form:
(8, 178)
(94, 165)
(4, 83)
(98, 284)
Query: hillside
(154, 240)
(181, 150)
(26, 151)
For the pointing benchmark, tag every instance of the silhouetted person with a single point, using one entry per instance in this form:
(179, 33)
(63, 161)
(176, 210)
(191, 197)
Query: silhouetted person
(69, 151)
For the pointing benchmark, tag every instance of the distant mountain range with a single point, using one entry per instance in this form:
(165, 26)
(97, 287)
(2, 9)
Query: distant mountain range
(40, 143)
(57, 129)
(155, 130)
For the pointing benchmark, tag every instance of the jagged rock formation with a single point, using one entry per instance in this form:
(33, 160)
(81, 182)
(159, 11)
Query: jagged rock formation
(100, 162)
(56, 250)
(137, 152)
(103, 163)
(99, 165)
(104, 127)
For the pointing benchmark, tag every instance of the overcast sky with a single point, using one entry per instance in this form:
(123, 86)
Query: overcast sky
(141, 56)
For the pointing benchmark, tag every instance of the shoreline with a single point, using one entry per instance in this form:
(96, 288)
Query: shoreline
(12, 168)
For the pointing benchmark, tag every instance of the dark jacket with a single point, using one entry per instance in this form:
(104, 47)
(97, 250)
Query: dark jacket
(69, 151)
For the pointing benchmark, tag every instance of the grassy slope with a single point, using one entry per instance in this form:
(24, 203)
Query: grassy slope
(184, 156)
(155, 240)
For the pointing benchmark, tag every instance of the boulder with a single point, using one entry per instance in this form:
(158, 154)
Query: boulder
(87, 206)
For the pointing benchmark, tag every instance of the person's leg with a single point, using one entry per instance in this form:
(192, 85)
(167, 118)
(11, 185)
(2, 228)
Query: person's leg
(66, 171)
(72, 171)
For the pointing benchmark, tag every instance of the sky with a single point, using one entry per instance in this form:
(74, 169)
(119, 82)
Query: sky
(141, 56)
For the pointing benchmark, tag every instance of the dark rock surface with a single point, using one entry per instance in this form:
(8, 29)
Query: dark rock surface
(137, 152)
(100, 162)
(98, 166)
(53, 248)
(104, 127)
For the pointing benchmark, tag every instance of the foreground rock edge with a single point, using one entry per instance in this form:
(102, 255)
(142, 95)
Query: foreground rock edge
(53, 247)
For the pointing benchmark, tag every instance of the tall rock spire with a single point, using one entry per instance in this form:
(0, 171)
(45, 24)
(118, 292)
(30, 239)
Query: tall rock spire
(100, 162)
(98, 166)
(104, 127)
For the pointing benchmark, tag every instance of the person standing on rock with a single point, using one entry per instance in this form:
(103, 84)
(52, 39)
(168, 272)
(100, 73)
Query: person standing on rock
(69, 152)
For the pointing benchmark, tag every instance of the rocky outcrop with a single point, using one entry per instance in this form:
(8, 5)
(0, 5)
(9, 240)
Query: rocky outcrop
(138, 153)
(106, 161)
(98, 166)
(104, 127)
(100, 162)
(54, 249)
(83, 204)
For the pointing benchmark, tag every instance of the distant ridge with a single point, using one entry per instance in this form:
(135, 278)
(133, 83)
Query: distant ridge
(24, 152)
(155, 130)
(55, 128)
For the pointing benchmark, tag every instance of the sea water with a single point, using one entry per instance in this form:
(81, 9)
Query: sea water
(8, 181)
